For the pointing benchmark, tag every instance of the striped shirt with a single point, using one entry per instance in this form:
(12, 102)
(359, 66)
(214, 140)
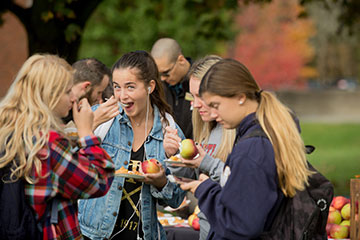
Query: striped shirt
(71, 175)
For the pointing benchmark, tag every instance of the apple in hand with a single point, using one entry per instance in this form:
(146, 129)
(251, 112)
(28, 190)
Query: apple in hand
(345, 211)
(188, 149)
(339, 201)
(150, 166)
(334, 217)
(339, 231)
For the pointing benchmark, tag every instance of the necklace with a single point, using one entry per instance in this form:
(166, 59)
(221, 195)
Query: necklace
(136, 124)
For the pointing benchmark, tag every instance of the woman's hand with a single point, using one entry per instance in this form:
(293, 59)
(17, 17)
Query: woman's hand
(105, 112)
(191, 186)
(83, 117)
(158, 179)
(171, 141)
(194, 163)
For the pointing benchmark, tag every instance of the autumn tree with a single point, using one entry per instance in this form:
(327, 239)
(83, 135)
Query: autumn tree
(273, 44)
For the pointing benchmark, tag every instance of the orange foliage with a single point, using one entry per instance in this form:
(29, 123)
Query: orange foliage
(274, 44)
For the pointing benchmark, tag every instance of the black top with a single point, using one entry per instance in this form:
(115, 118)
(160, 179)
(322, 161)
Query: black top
(175, 97)
(129, 201)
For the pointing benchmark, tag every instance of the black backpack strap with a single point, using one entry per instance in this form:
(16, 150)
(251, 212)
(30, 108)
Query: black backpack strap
(53, 209)
(260, 133)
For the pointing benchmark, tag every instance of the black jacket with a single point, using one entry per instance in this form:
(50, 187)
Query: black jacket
(175, 97)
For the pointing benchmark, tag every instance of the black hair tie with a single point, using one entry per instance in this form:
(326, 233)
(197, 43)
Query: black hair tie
(258, 94)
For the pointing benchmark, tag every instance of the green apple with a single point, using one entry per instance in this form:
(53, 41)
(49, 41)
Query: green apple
(188, 149)
(334, 217)
(339, 231)
(345, 211)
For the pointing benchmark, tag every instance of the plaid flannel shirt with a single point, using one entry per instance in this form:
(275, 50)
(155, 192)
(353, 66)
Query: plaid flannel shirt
(86, 173)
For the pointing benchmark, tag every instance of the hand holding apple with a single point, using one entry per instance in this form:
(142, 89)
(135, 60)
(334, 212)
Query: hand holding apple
(195, 163)
(154, 177)
(188, 149)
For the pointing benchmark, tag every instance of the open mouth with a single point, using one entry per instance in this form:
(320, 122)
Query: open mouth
(126, 105)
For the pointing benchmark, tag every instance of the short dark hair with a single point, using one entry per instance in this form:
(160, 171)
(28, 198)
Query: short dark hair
(90, 69)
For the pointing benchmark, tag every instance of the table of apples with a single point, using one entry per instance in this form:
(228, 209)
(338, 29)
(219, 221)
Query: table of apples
(343, 219)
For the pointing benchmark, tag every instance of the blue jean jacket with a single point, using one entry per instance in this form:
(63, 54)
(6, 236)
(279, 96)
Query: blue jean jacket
(97, 217)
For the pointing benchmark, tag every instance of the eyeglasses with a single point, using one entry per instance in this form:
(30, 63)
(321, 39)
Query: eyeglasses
(167, 72)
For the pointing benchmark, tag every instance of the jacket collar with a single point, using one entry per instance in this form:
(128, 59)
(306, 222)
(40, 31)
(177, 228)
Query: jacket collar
(249, 121)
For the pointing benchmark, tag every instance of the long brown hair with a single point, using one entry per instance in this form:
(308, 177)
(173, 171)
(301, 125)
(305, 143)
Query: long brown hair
(229, 78)
(147, 71)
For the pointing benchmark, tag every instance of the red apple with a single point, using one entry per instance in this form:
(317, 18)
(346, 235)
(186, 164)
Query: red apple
(150, 166)
(334, 217)
(328, 227)
(339, 201)
(331, 208)
(345, 211)
(191, 219)
(339, 231)
(196, 224)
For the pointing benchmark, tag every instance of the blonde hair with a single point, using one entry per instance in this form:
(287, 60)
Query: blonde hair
(229, 78)
(26, 113)
(201, 129)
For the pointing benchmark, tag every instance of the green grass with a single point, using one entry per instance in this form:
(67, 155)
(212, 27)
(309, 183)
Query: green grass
(337, 154)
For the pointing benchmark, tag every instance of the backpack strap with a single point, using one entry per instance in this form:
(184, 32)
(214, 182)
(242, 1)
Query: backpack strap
(53, 209)
(260, 133)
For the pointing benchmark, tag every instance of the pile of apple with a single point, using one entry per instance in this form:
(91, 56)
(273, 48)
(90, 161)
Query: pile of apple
(193, 219)
(338, 223)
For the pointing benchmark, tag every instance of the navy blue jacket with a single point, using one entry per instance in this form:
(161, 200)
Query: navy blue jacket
(239, 206)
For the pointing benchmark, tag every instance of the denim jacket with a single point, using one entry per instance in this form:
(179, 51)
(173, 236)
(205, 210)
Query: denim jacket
(97, 217)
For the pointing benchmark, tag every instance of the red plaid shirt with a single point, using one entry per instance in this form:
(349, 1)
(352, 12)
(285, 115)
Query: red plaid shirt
(86, 173)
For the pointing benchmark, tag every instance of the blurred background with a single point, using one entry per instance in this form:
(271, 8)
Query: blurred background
(307, 51)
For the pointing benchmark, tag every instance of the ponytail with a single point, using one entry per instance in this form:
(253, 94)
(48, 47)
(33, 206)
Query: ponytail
(278, 124)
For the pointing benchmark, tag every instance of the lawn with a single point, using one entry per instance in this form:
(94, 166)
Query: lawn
(337, 154)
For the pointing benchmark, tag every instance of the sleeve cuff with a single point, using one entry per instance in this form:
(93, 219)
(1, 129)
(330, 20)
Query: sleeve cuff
(165, 193)
(202, 187)
(88, 141)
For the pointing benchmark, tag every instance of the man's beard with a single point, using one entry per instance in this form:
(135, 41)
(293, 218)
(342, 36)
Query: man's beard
(87, 95)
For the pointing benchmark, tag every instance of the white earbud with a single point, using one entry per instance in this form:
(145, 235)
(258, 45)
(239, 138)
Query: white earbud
(149, 90)
(241, 102)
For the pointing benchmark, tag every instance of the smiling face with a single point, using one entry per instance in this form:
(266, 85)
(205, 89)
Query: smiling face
(198, 103)
(130, 91)
(65, 103)
(226, 111)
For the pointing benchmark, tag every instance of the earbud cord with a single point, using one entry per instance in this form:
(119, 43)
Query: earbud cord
(138, 205)
(132, 215)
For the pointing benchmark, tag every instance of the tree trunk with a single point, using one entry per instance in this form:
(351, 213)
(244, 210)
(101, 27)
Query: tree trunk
(51, 30)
